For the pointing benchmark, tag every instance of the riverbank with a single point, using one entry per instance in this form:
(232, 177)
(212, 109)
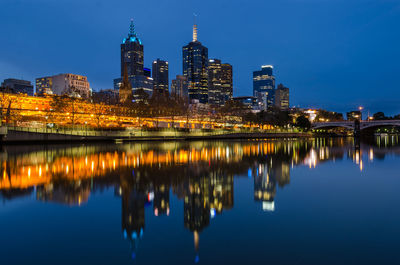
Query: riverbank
(25, 136)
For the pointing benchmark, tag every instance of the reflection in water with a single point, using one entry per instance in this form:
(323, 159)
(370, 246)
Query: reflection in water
(199, 173)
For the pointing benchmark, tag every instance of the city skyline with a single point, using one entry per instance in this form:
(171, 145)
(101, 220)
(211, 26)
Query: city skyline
(340, 82)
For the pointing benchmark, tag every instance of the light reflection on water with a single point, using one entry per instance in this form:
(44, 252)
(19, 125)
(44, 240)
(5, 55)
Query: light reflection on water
(151, 180)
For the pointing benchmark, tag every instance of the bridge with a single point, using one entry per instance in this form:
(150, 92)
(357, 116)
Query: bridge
(355, 125)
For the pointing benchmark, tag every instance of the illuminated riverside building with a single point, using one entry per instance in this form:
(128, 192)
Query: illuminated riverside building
(264, 87)
(160, 76)
(179, 87)
(282, 97)
(132, 53)
(214, 82)
(64, 84)
(132, 58)
(18, 86)
(226, 82)
(195, 68)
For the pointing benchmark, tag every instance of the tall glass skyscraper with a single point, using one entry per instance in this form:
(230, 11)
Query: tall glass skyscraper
(214, 82)
(264, 87)
(132, 63)
(160, 76)
(226, 82)
(132, 53)
(195, 68)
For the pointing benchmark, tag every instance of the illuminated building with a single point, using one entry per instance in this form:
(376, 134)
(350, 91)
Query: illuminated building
(132, 53)
(282, 97)
(64, 84)
(106, 96)
(264, 87)
(179, 87)
(195, 68)
(226, 82)
(219, 82)
(214, 82)
(354, 115)
(18, 86)
(250, 102)
(160, 76)
(132, 65)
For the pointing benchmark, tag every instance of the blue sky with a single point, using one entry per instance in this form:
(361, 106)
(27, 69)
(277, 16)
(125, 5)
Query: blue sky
(334, 54)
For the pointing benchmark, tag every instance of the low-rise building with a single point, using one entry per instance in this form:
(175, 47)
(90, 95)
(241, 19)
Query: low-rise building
(64, 84)
(18, 86)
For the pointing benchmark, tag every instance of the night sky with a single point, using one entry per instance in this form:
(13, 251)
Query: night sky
(333, 54)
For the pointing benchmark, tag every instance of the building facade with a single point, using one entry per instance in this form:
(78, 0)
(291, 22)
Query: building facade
(195, 68)
(160, 76)
(132, 58)
(264, 87)
(64, 84)
(282, 97)
(18, 86)
(179, 87)
(226, 82)
(214, 82)
(249, 102)
(132, 54)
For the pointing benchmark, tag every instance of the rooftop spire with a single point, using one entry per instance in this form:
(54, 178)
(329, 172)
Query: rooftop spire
(194, 28)
(132, 29)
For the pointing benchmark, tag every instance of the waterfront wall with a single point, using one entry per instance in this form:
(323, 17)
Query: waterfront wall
(30, 135)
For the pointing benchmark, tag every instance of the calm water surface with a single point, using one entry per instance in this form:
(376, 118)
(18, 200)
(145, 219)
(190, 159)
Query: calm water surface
(320, 201)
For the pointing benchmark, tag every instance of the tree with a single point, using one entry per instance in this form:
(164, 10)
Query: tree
(324, 115)
(98, 110)
(303, 123)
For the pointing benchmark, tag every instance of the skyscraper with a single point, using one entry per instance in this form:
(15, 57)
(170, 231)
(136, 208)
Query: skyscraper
(282, 97)
(132, 53)
(160, 76)
(226, 82)
(220, 85)
(214, 82)
(195, 68)
(264, 87)
(132, 62)
(179, 87)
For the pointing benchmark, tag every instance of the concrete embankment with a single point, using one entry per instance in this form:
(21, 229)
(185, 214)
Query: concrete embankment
(14, 136)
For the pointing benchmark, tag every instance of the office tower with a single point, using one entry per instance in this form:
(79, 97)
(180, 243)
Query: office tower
(160, 76)
(132, 62)
(18, 86)
(214, 82)
(226, 82)
(64, 84)
(132, 53)
(264, 87)
(179, 87)
(195, 68)
(282, 97)
(220, 85)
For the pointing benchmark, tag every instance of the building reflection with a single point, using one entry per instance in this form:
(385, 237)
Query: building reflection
(145, 176)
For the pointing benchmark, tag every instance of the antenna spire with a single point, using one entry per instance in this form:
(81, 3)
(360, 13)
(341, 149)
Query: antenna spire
(132, 29)
(194, 28)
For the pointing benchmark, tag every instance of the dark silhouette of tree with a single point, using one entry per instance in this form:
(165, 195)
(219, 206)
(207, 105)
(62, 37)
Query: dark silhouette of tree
(324, 115)
(303, 123)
